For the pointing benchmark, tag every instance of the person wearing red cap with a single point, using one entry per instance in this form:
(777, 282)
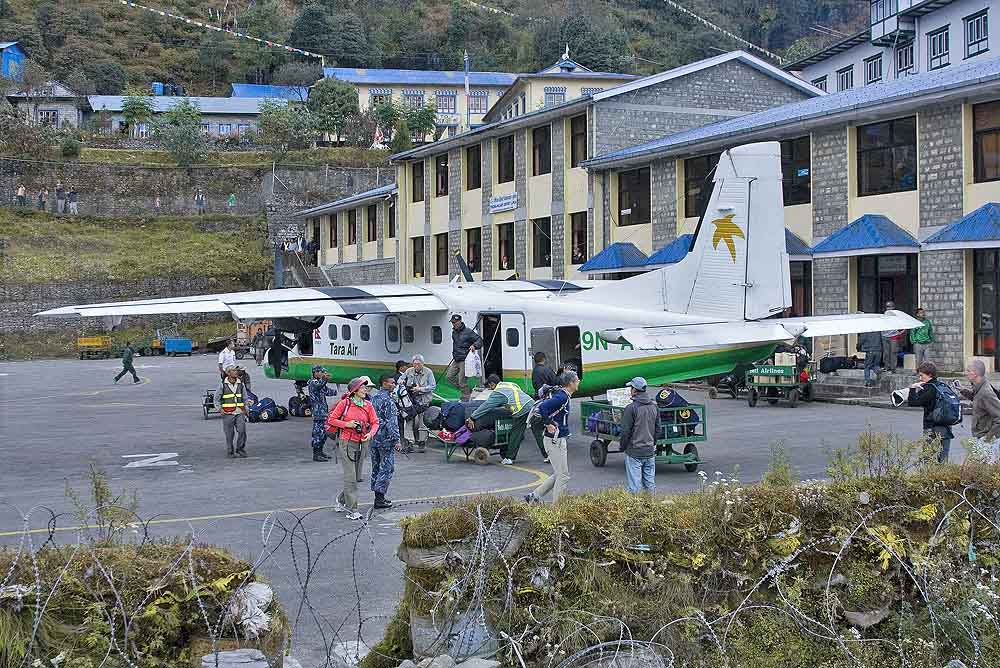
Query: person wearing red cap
(355, 418)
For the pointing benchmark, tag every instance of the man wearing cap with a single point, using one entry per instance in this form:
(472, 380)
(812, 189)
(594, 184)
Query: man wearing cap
(231, 402)
(420, 383)
(510, 399)
(463, 340)
(639, 422)
(386, 442)
(318, 392)
(355, 420)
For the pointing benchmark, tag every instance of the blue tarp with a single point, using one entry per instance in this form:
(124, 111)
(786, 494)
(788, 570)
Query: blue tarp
(623, 255)
(867, 236)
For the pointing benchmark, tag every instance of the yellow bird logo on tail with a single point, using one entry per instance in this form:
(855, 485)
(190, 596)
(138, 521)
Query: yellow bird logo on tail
(726, 230)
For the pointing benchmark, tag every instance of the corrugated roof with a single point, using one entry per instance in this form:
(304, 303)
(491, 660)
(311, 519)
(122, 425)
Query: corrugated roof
(347, 202)
(208, 105)
(870, 234)
(620, 255)
(360, 75)
(673, 252)
(795, 246)
(830, 51)
(297, 93)
(4, 45)
(975, 228)
(904, 92)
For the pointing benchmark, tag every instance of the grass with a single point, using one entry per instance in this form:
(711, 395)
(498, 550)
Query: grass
(333, 156)
(42, 248)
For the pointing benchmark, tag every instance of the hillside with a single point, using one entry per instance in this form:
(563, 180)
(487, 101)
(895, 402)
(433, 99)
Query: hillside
(105, 44)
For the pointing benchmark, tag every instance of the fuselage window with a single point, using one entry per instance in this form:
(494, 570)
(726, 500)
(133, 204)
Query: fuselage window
(332, 332)
(408, 334)
(345, 332)
(393, 333)
(436, 335)
(366, 332)
(513, 338)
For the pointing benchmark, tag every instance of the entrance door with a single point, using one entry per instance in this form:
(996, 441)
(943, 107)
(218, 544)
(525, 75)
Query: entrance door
(570, 351)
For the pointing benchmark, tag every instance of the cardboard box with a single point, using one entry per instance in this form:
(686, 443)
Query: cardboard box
(619, 396)
(784, 359)
(910, 361)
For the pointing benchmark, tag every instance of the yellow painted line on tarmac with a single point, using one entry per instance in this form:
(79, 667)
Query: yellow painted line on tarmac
(539, 477)
(94, 393)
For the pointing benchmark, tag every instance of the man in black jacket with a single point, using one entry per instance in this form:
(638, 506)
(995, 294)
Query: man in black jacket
(463, 341)
(924, 393)
(639, 424)
(542, 374)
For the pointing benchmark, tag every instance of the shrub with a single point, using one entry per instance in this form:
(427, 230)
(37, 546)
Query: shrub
(70, 147)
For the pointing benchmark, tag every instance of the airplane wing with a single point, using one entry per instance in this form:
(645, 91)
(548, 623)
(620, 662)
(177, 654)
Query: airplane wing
(679, 337)
(269, 304)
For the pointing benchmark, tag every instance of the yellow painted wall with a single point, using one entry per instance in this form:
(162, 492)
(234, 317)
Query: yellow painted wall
(576, 187)
(798, 219)
(640, 235)
(472, 208)
(539, 196)
(901, 208)
(439, 213)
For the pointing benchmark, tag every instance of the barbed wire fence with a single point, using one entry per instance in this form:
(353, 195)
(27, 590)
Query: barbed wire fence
(460, 612)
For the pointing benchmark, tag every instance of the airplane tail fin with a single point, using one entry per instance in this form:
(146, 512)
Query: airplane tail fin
(738, 266)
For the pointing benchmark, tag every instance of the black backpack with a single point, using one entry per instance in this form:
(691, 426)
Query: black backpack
(947, 411)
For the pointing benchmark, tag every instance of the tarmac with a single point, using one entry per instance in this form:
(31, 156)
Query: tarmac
(337, 579)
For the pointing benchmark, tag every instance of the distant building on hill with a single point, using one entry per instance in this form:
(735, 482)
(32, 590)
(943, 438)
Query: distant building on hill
(271, 92)
(54, 104)
(221, 116)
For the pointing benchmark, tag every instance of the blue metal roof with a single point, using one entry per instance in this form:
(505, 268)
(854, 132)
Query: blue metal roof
(297, 93)
(673, 252)
(617, 256)
(866, 236)
(983, 224)
(817, 109)
(361, 75)
(794, 245)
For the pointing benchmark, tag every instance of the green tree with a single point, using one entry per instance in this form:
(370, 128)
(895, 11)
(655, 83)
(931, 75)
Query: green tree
(332, 101)
(214, 53)
(300, 76)
(598, 47)
(401, 138)
(108, 77)
(422, 120)
(137, 107)
(349, 44)
(179, 130)
(387, 117)
(312, 30)
(284, 128)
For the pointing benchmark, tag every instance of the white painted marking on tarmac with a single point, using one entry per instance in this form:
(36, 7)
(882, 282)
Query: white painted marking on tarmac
(156, 459)
(148, 366)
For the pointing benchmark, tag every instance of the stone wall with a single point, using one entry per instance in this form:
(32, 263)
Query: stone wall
(367, 272)
(830, 278)
(521, 258)
(830, 185)
(663, 201)
(942, 295)
(455, 211)
(557, 226)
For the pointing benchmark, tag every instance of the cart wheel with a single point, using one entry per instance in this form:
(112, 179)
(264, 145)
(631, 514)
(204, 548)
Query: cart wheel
(772, 400)
(240, 355)
(205, 411)
(690, 449)
(752, 397)
(713, 393)
(733, 392)
(83, 356)
(807, 392)
(598, 453)
(481, 456)
(265, 416)
(793, 397)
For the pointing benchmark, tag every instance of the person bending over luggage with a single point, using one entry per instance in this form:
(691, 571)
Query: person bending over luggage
(639, 424)
(554, 412)
(506, 397)
(420, 383)
(924, 393)
(386, 442)
(318, 392)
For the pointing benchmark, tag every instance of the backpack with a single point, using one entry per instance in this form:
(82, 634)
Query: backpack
(947, 410)
(408, 408)
(452, 415)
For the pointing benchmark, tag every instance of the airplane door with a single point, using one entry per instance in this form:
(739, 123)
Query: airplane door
(515, 349)
(393, 338)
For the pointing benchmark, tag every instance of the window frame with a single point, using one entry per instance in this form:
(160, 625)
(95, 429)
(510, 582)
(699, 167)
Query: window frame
(417, 181)
(441, 175)
(630, 183)
(437, 335)
(474, 167)
(414, 256)
(475, 261)
(541, 239)
(365, 333)
(512, 333)
(345, 332)
(505, 168)
(578, 140)
(413, 100)
(905, 49)
(969, 22)
(978, 136)
(889, 150)
(541, 150)
(574, 220)
(451, 107)
(479, 104)
(352, 227)
(408, 334)
(331, 332)
(820, 83)
(553, 99)
(334, 229)
(796, 189)
(695, 206)
(871, 64)
(511, 261)
(943, 59)
(391, 219)
(845, 72)
(438, 254)
(392, 332)
(371, 220)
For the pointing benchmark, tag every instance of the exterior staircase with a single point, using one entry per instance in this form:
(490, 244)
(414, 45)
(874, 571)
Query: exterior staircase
(850, 384)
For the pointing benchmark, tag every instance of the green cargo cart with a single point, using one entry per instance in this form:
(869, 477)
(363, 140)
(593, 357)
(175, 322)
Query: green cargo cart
(773, 382)
(478, 454)
(679, 429)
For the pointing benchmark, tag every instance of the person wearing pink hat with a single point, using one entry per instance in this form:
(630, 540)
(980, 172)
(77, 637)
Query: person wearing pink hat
(355, 421)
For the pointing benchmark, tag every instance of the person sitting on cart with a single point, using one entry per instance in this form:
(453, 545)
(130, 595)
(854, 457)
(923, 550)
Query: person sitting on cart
(639, 424)
(508, 398)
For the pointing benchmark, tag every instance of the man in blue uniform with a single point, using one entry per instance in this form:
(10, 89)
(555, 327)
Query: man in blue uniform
(386, 442)
(318, 392)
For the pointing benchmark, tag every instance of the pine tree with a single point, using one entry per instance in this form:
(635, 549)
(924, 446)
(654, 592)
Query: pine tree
(349, 42)
(401, 139)
(312, 30)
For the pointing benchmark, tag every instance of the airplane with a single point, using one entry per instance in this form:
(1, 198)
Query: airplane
(716, 308)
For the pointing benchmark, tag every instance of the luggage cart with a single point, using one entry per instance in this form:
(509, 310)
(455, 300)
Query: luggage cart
(679, 425)
(208, 404)
(479, 454)
(773, 382)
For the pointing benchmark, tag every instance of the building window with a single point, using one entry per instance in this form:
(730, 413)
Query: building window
(873, 69)
(977, 34)
(413, 100)
(375, 99)
(820, 83)
(473, 168)
(883, 278)
(578, 237)
(541, 151)
(418, 181)
(937, 48)
(882, 9)
(474, 249)
(986, 142)
(845, 78)
(437, 336)
(697, 183)
(452, 130)
(541, 243)
(633, 197)
(578, 140)
(334, 224)
(446, 103)
(887, 157)
(478, 104)
(352, 227)
(505, 159)
(552, 99)
(441, 175)
(372, 220)
(441, 254)
(904, 59)
(142, 130)
(243, 129)
(417, 244)
(505, 246)
(206, 128)
(795, 171)
(801, 275)
(986, 301)
(366, 332)
(392, 219)
(225, 129)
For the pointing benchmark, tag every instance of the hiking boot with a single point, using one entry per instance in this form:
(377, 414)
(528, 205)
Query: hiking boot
(230, 454)
(241, 453)
(320, 457)
(354, 516)
(381, 503)
(136, 381)
(421, 446)
(338, 507)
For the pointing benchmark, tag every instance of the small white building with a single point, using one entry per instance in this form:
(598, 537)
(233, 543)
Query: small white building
(221, 116)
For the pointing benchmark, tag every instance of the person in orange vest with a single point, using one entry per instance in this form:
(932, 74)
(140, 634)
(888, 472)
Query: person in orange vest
(230, 399)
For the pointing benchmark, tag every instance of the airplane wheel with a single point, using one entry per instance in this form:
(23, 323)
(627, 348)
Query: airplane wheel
(752, 397)
(481, 456)
(713, 393)
(793, 398)
(690, 449)
(598, 453)
(205, 411)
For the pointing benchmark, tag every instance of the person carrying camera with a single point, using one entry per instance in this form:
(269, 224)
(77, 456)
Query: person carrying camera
(355, 419)
(554, 412)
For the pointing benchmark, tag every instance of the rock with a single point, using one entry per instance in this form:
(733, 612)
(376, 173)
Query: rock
(476, 662)
(291, 662)
(409, 664)
(237, 658)
(624, 654)
(350, 652)
(443, 661)
(425, 662)
(505, 535)
(955, 663)
(865, 619)
(462, 635)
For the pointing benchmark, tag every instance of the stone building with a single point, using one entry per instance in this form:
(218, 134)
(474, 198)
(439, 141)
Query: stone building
(53, 104)
(220, 116)
(891, 185)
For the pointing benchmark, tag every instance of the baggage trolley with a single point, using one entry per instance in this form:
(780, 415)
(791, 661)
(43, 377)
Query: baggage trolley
(680, 426)
(208, 404)
(479, 454)
(773, 382)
